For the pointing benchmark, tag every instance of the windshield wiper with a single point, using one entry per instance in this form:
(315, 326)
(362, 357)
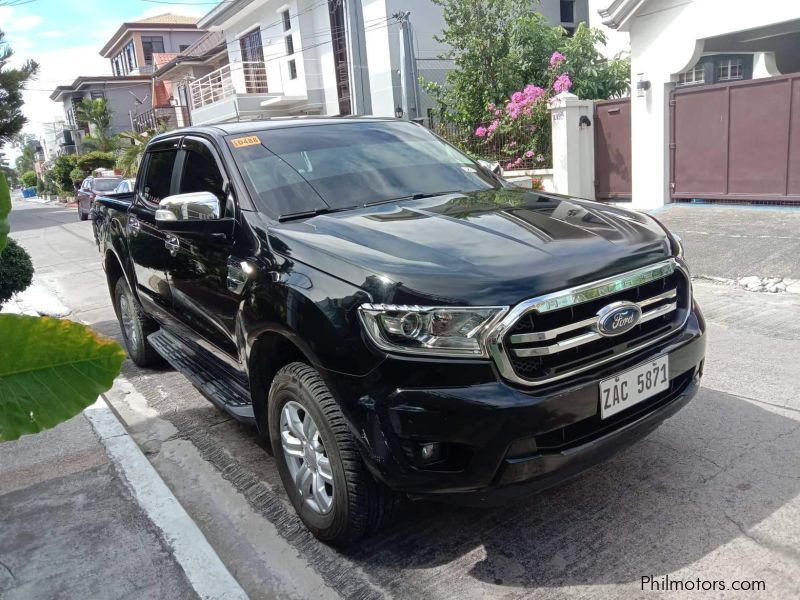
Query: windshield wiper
(312, 213)
(417, 196)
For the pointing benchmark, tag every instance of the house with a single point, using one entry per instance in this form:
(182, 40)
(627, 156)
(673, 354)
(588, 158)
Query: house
(700, 127)
(177, 71)
(133, 45)
(330, 57)
(124, 95)
(140, 48)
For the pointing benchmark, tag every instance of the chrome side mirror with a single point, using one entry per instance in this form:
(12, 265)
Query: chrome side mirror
(493, 167)
(195, 206)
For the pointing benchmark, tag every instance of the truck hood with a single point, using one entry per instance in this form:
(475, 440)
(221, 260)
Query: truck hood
(494, 247)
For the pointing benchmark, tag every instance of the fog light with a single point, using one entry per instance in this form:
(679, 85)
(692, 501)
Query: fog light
(429, 452)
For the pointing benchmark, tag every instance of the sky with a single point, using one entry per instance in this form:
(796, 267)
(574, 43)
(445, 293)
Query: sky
(65, 37)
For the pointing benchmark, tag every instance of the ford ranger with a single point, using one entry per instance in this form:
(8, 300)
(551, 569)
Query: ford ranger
(393, 317)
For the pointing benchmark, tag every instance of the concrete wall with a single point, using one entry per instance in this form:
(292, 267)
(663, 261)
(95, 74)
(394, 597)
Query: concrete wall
(666, 39)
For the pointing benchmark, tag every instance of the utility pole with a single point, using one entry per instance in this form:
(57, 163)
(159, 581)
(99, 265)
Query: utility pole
(409, 78)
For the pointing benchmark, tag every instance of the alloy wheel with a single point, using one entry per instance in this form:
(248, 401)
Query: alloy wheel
(306, 458)
(127, 320)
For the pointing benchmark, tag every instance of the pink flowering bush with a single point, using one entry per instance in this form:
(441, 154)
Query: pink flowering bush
(517, 132)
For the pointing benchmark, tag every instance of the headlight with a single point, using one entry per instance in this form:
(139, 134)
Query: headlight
(441, 330)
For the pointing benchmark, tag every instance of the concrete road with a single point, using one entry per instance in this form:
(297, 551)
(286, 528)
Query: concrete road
(738, 241)
(713, 495)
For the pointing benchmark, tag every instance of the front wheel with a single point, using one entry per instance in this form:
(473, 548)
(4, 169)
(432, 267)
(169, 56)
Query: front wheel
(330, 487)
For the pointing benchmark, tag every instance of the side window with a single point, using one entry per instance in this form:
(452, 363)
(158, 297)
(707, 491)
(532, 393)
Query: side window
(200, 171)
(158, 177)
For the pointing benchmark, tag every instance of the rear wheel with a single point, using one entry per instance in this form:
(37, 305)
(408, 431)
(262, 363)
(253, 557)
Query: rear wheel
(135, 326)
(81, 215)
(331, 489)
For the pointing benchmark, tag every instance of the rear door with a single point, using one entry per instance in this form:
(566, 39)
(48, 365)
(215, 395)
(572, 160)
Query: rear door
(148, 247)
(203, 301)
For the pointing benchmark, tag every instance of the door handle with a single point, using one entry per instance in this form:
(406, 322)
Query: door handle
(172, 244)
(134, 225)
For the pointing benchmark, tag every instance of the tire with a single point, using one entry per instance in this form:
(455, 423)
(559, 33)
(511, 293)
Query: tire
(139, 326)
(360, 504)
(81, 215)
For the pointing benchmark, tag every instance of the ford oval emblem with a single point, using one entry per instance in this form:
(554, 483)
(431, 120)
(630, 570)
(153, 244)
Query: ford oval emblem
(617, 318)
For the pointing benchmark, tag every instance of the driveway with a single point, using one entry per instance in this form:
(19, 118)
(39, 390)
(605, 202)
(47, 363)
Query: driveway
(737, 241)
(713, 495)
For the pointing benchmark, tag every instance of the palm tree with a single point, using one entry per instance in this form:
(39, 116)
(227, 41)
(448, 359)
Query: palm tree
(97, 113)
(130, 157)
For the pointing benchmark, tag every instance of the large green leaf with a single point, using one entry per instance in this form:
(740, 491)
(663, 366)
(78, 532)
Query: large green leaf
(5, 208)
(50, 370)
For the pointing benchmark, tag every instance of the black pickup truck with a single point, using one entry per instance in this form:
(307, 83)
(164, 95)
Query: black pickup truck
(394, 317)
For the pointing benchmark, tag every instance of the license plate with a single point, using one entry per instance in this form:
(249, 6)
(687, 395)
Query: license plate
(631, 387)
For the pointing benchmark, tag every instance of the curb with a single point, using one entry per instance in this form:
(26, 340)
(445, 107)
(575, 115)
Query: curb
(204, 570)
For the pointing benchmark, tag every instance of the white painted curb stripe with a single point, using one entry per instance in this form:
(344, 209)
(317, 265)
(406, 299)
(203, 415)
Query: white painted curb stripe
(205, 571)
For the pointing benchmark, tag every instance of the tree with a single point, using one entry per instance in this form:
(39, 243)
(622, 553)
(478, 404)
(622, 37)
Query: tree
(97, 113)
(27, 143)
(499, 46)
(29, 178)
(12, 83)
(130, 158)
(60, 172)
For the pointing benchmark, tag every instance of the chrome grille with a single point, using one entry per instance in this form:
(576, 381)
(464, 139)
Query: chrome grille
(548, 338)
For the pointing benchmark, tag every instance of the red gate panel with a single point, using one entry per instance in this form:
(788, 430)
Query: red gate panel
(612, 149)
(737, 141)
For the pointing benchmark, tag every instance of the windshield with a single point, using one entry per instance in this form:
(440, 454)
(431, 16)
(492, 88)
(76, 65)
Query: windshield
(318, 167)
(104, 185)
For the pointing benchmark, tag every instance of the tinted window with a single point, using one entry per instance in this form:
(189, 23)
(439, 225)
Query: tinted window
(159, 175)
(200, 171)
(345, 165)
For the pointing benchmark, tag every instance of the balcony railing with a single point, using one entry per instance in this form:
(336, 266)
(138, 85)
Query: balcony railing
(157, 118)
(239, 77)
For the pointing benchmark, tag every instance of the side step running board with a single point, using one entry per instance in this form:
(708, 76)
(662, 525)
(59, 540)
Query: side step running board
(228, 395)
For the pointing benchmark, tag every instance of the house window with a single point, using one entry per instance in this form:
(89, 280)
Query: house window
(567, 11)
(130, 57)
(151, 45)
(97, 94)
(695, 75)
(292, 69)
(183, 47)
(570, 31)
(287, 20)
(289, 45)
(729, 69)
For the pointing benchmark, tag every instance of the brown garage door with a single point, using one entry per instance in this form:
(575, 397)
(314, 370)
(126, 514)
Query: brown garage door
(737, 141)
(612, 149)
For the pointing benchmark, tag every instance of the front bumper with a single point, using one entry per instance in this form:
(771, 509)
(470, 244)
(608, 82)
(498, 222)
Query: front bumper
(502, 441)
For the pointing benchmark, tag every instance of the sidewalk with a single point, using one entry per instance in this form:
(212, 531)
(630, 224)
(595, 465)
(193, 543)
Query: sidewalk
(70, 526)
(84, 515)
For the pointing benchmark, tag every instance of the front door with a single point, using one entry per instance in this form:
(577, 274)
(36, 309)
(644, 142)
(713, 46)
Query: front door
(203, 302)
(147, 244)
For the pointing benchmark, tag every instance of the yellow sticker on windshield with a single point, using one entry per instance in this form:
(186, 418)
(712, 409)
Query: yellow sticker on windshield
(251, 140)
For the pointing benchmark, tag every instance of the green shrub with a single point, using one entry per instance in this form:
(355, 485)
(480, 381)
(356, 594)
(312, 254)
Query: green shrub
(77, 175)
(39, 187)
(16, 270)
(29, 179)
(96, 160)
(62, 167)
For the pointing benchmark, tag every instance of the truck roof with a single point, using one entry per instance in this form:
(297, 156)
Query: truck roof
(223, 129)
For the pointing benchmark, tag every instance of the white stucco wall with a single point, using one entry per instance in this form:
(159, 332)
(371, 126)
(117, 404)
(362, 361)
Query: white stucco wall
(667, 38)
